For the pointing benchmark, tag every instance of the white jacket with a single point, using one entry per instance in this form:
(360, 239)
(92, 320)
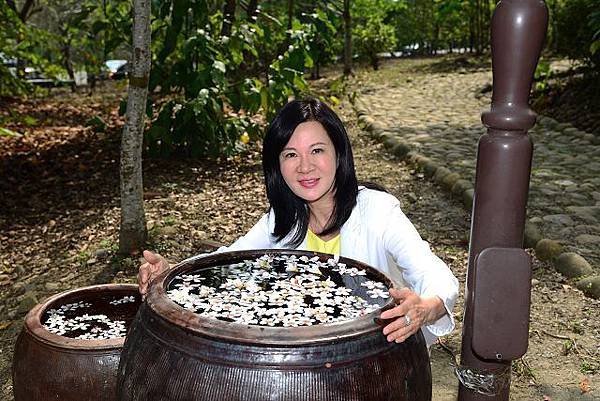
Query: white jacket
(379, 234)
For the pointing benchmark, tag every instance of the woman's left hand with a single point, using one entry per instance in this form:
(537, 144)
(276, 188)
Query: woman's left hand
(411, 312)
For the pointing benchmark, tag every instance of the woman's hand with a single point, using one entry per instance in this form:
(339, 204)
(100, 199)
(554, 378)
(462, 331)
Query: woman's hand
(410, 314)
(154, 265)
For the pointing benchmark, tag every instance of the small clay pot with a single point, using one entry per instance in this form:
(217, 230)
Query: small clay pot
(48, 366)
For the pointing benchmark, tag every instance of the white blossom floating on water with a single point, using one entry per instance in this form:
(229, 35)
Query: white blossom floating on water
(376, 289)
(78, 320)
(280, 291)
(124, 300)
(378, 293)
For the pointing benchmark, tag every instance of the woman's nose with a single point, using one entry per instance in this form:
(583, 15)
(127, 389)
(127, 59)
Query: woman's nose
(304, 164)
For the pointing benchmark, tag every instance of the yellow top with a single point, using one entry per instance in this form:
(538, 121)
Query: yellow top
(316, 244)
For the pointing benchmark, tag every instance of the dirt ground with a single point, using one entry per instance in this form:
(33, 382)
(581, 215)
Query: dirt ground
(59, 218)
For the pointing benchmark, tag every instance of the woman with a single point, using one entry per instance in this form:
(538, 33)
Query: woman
(316, 204)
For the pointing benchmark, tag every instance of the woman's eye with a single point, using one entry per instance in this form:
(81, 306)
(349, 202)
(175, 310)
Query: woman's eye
(317, 150)
(289, 155)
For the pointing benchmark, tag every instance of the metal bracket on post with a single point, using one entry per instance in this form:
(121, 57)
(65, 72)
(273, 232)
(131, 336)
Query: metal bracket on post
(501, 302)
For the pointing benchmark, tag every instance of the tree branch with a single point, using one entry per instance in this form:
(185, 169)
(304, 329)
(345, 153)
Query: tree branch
(228, 17)
(11, 5)
(35, 11)
(24, 13)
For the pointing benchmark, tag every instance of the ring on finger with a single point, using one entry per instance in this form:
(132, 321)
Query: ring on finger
(407, 320)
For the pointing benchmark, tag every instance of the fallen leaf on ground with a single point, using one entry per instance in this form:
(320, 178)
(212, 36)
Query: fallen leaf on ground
(5, 325)
(584, 386)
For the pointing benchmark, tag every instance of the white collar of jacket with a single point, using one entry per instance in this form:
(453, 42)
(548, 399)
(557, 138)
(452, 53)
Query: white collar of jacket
(350, 233)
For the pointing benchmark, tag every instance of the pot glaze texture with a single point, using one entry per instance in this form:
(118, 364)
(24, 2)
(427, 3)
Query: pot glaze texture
(174, 354)
(48, 366)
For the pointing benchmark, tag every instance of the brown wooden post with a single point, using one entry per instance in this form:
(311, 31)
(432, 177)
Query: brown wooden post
(497, 294)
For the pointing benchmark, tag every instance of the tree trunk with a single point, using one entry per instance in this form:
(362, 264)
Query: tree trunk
(553, 26)
(288, 37)
(251, 10)
(436, 35)
(481, 22)
(228, 17)
(315, 72)
(374, 61)
(249, 62)
(68, 64)
(477, 28)
(490, 6)
(290, 12)
(132, 235)
(347, 39)
(471, 31)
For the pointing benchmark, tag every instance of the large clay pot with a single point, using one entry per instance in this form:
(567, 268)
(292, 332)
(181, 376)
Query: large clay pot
(48, 366)
(173, 354)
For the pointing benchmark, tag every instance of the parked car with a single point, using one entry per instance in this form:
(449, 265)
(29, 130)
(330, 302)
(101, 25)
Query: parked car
(9, 63)
(38, 78)
(121, 72)
(117, 69)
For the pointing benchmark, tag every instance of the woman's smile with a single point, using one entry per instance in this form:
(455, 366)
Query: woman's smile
(309, 182)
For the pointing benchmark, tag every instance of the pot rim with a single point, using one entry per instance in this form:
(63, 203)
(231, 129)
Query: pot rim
(33, 320)
(165, 308)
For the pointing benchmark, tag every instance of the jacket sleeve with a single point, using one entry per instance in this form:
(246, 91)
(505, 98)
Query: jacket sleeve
(423, 272)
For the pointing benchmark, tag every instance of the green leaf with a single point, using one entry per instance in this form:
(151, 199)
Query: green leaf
(7, 132)
(308, 61)
(156, 131)
(299, 83)
(264, 99)
(97, 124)
(178, 13)
(99, 26)
(122, 107)
(149, 107)
(237, 56)
(30, 121)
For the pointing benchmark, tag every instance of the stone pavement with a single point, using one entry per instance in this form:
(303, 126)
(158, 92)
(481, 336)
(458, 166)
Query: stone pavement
(436, 113)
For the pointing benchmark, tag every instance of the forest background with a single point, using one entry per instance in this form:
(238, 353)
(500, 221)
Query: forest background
(221, 68)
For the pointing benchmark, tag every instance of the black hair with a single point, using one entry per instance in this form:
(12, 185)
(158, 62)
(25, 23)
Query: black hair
(291, 211)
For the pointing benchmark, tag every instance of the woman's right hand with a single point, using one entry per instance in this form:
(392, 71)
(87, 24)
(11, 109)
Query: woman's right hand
(154, 265)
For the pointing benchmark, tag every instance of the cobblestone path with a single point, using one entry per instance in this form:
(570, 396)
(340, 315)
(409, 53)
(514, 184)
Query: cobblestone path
(438, 112)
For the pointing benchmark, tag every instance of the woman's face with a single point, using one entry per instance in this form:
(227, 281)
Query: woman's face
(308, 163)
